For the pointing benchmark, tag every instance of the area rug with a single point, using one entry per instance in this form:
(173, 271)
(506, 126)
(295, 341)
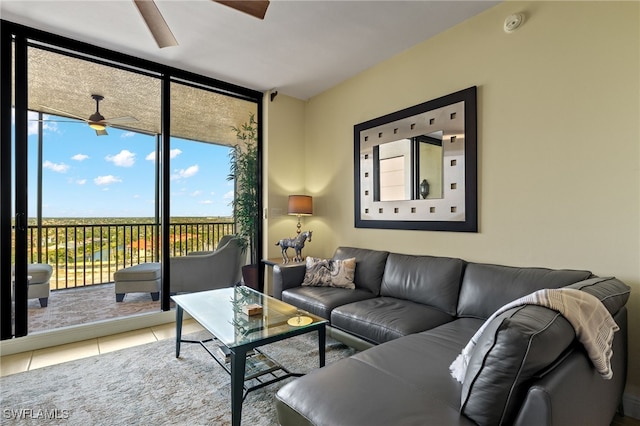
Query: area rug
(148, 385)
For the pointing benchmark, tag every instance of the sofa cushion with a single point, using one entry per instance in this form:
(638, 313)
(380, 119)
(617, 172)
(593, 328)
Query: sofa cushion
(613, 293)
(403, 382)
(369, 266)
(430, 280)
(381, 319)
(330, 272)
(485, 288)
(322, 300)
(514, 347)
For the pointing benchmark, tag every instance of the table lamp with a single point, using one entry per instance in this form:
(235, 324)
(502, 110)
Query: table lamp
(300, 205)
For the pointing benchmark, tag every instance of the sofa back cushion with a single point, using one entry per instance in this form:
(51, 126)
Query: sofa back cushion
(512, 349)
(485, 288)
(430, 280)
(370, 266)
(612, 292)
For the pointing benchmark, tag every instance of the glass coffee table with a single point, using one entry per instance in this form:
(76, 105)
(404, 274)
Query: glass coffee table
(237, 334)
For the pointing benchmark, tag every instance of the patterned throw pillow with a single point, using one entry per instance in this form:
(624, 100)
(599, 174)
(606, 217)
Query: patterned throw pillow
(330, 273)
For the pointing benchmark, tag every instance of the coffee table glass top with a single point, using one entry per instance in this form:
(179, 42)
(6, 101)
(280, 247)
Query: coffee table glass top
(221, 313)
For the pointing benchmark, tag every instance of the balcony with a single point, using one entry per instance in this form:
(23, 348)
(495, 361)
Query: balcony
(84, 257)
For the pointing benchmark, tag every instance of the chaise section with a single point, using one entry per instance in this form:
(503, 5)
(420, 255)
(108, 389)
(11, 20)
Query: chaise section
(403, 382)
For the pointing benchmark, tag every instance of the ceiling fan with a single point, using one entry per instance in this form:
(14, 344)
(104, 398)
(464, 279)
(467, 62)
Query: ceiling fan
(161, 31)
(97, 121)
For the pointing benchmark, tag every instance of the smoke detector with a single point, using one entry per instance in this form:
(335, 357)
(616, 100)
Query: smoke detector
(513, 22)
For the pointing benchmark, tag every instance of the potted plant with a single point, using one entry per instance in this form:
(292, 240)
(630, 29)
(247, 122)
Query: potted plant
(244, 171)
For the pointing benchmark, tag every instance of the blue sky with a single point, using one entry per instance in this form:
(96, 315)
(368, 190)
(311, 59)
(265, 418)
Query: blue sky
(85, 175)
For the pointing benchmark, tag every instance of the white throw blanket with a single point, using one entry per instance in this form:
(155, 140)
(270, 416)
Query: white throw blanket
(593, 325)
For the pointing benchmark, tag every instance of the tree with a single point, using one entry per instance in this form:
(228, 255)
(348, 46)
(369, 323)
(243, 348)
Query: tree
(244, 171)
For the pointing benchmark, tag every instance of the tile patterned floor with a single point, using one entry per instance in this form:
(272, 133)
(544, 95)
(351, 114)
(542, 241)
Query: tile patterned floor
(25, 361)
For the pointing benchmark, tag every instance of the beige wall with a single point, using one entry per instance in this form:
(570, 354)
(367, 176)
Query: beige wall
(558, 138)
(284, 167)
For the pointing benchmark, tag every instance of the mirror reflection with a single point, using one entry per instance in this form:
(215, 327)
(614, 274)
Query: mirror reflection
(409, 169)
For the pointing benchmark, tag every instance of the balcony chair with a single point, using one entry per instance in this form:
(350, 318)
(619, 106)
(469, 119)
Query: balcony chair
(40, 275)
(200, 271)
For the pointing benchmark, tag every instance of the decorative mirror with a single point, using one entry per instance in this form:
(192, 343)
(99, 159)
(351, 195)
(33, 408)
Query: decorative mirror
(416, 168)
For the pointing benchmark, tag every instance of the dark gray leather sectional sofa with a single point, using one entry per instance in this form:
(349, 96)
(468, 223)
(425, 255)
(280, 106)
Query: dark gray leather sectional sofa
(416, 313)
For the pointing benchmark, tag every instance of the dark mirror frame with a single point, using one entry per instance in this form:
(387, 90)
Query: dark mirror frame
(422, 222)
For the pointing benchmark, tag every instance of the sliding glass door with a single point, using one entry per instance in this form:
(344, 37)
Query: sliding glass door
(107, 162)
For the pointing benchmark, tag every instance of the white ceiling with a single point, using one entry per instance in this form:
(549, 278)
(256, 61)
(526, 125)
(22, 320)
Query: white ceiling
(301, 48)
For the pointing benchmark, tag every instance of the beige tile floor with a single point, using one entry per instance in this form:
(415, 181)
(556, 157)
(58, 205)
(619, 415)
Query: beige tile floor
(26, 361)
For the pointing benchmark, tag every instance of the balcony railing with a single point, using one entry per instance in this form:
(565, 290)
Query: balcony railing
(88, 254)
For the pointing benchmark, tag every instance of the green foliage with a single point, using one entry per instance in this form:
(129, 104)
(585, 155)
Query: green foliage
(244, 171)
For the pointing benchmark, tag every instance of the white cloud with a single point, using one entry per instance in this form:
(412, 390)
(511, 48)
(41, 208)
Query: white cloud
(206, 202)
(32, 124)
(124, 158)
(59, 168)
(186, 173)
(81, 181)
(106, 180)
(80, 157)
(172, 154)
(228, 195)
(128, 135)
(196, 193)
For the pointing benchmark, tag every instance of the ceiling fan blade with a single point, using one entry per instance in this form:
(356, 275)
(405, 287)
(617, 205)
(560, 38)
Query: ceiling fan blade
(119, 120)
(55, 121)
(64, 113)
(156, 23)
(101, 132)
(257, 8)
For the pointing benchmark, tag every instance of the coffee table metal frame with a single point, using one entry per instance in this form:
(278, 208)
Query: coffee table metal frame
(238, 350)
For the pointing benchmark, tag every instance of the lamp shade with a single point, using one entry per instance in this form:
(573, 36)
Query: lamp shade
(300, 205)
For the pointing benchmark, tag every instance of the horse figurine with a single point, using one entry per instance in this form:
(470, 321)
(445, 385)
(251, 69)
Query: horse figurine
(296, 243)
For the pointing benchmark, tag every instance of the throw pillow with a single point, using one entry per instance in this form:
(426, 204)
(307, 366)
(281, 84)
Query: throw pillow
(330, 273)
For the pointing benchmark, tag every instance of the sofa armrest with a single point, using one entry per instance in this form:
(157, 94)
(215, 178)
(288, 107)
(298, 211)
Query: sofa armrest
(287, 276)
(574, 392)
